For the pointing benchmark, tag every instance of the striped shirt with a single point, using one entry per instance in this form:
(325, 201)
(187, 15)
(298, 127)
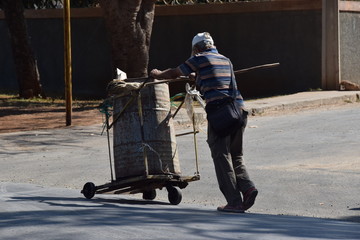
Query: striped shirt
(213, 75)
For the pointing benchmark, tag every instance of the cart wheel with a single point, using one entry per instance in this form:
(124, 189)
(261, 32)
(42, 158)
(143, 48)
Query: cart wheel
(174, 195)
(149, 195)
(89, 190)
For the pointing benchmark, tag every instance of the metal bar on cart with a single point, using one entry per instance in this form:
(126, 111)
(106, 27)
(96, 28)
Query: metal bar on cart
(124, 190)
(179, 79)
(141, 117)
(108, 139)
(195, 145)
(122, 111)
(178, 109)
(186, 133)
(188, 179)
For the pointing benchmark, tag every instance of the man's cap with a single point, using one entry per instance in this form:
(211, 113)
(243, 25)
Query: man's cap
(202, 37)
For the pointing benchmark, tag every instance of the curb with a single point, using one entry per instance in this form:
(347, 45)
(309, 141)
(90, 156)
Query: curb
(299, 101)
(281, 104)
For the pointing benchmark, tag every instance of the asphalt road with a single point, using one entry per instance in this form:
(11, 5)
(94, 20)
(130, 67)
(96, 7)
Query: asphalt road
(304, 164)
(29, 211)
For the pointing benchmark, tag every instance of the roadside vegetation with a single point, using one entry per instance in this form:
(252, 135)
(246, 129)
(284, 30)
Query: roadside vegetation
(13, 100)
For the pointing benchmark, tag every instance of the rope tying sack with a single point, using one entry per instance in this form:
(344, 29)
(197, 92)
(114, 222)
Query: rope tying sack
(122, 88)
(163, 169)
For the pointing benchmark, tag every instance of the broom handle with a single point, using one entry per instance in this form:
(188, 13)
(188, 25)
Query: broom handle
(270, 65)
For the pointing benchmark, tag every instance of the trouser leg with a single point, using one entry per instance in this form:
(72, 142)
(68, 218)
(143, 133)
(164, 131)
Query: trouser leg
(236, 149)
(220, 152)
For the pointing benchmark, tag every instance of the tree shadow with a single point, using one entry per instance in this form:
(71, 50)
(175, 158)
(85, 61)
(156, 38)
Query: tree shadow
(146, 216)
(48, 139)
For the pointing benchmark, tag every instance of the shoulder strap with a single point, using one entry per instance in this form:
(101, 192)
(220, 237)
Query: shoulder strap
(233, 81)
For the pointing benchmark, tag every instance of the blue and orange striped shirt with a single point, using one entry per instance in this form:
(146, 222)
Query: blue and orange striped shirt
(213, 75)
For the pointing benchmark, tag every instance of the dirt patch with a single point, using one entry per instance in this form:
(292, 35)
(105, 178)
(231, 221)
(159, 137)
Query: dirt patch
(45, 118)
(17, 116)
(24, 116)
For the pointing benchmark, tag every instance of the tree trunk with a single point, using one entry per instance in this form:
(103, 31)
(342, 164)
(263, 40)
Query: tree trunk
(129, 24)
(25, 63)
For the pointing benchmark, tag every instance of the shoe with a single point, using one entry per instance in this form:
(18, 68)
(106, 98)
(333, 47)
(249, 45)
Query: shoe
(234, 209)
(249, 198)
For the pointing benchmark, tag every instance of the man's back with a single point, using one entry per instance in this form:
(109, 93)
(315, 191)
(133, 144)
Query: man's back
(213, 73)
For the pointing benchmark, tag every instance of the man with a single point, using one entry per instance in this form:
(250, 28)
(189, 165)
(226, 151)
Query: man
(213, 74)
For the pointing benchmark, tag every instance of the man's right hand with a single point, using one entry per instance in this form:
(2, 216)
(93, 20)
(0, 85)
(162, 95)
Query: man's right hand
(155, 73)
(170, 73)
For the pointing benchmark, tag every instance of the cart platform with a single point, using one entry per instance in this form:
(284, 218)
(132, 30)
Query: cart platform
(146, 185)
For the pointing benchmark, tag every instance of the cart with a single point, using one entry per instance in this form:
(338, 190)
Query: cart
(146, 183)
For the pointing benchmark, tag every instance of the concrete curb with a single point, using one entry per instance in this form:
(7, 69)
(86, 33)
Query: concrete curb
(279, 104)
(303, 100)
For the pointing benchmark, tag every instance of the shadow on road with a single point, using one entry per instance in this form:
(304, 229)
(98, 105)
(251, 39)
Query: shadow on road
(104, 211)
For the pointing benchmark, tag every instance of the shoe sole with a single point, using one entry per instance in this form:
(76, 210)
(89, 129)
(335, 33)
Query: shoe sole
(251, 200)
(230, 210)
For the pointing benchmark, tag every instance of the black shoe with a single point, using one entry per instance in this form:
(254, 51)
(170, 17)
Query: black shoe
(249, 198)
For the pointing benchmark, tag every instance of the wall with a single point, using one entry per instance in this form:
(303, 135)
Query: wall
(91, 54)
(7, 68)
(248, 38)
(350, 46)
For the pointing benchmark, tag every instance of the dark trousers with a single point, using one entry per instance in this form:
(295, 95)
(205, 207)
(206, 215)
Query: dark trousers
(227, 154)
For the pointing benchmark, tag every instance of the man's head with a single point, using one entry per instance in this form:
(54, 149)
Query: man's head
(201, 42)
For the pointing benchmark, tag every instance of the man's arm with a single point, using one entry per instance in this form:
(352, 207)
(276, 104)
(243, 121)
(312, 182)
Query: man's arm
(170, 73)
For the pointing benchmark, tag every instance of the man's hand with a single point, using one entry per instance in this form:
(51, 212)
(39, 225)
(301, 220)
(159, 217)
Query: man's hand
(192, 77)
(155, 73)
(170, 73)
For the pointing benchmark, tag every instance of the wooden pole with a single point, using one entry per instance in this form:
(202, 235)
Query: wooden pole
(270, 65)
(67, 62)
(330, 79)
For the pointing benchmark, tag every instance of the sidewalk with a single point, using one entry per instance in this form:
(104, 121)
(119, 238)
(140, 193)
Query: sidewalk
(301, 100)
(293, 102)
